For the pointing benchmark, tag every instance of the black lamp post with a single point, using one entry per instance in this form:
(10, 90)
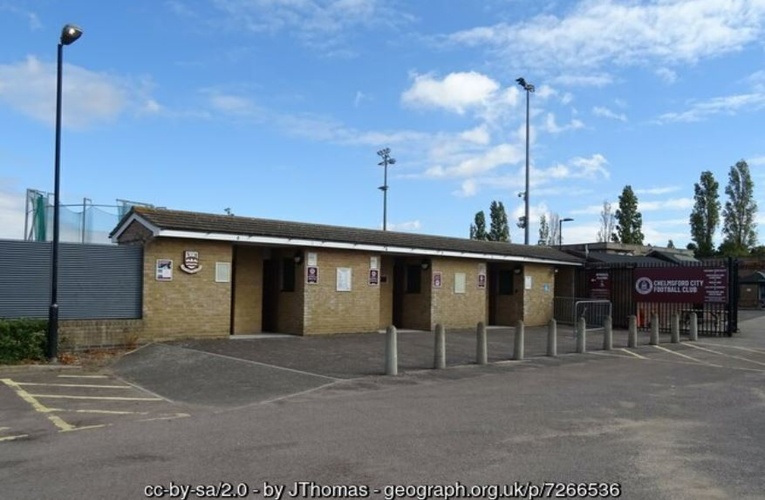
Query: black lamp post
(560, 230)
(386, 160)
(69, 34)
(529, 88)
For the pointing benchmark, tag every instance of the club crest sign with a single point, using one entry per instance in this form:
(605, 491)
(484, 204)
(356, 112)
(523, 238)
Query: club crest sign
(191, 262)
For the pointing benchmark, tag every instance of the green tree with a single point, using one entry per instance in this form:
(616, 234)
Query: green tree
(705, 216)
(498, 230)
(739, 227)
(670, 244)
(544, 231)
(478, 228)
(629, 221)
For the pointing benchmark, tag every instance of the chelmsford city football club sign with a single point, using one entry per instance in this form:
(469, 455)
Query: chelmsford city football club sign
(191, 262)
(681, 284)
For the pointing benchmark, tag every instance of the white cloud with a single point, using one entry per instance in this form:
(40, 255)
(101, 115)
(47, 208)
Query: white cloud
(658, 190)
(457, 92)
(552, 127)
(469, 187)
(700, 110)
(597, 80)
(408, 226)
(604, 112)
(756, 161)
(11, 214)
(669, 204)
(30, 88)
(360, 97)
(667, 75)
(231, 104)
(31, 17)
(596, 33)
(503, 154)
(479, 135)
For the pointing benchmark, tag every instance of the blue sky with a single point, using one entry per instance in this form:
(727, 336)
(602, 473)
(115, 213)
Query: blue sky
(276, 108)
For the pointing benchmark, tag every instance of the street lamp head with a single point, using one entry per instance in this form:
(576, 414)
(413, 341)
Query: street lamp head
(384, 151)
(70, 34)
(567, 219)
(528, 87)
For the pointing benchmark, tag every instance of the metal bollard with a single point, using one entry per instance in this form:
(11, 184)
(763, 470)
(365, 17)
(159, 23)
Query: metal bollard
(675, 329)
(581, 335)
(552, 338)
(654, 329)
(694, 332)
(518, 344)
(391, 351)
(632, 331)
(439, 357)
(608, 334)
(481, 350)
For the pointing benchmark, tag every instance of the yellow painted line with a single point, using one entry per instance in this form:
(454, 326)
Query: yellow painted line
(102, 398)
(83, 376)
(11, 438)
(108, 412)
(167, 417)
(726, 355)
(39, 407)
(686, 356)
(84, 427)
(92, 386)
(4, 428)
(632, 353)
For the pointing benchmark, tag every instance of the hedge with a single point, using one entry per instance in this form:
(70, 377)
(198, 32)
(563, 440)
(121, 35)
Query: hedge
(22, 340)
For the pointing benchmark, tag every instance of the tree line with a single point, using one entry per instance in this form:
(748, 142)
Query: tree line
(624, 225)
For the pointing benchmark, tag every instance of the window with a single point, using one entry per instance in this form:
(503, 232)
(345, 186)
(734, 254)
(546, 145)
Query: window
(288, 275)
(459, 282)
(222, 272)
(413, 278)
(505, 282)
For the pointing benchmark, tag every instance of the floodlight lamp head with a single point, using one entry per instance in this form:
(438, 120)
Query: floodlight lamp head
(70, 33)
(384, 151)
(521, 81)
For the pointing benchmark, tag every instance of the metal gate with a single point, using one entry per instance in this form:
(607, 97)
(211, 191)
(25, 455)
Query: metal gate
(648, 290)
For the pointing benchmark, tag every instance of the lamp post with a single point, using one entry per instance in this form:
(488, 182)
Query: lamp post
(560, 230)
(529, 88)
(69, 34)
(386, 160)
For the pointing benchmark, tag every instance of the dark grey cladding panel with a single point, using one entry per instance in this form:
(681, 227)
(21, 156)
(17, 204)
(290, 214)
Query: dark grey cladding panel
(95, 281)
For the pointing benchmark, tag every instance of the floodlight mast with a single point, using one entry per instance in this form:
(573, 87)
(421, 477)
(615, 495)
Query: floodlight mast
(529, 88)
(386, 160)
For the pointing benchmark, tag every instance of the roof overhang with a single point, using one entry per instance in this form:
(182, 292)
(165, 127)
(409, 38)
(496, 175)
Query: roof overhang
(337, 245)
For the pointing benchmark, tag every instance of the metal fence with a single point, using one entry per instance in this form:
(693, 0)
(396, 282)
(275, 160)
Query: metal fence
(95, 281)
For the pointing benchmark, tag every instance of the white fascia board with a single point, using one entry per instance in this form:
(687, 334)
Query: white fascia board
(340, 245)
(133, 218)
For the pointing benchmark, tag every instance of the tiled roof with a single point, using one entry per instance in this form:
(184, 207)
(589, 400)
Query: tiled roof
(165, 219)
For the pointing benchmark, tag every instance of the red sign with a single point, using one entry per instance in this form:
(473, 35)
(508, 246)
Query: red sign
(681, 284)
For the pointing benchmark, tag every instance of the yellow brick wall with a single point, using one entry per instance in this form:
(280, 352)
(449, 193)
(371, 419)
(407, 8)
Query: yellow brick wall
(458, 310)
(248, 289)
(331, 311)
(416, 311)
(191, 305)
(538, 301)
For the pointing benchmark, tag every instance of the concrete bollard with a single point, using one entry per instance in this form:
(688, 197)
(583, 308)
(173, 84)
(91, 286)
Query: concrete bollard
(439, 357)
(632, 331)
(694, 328)
(481, 350)
(391, 351)
(518, 345)
(608, 334)
(654, 340)
(552, 338)
(675, 329)
(581, 335)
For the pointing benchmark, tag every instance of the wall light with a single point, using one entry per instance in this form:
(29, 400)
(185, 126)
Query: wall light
(425, 264)
(298, 257)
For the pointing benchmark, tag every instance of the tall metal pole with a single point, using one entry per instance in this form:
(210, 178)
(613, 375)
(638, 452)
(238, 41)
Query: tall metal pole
(526, 193)
(386, 160)
(52, 338)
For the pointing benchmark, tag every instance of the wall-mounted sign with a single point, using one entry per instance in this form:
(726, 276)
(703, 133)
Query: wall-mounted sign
(164, 270)
(481, 281)
(437, 279)
(527, 282)
(312, 275)
(344, 279)
(373, 263)
(312, 259)
(191, 262)
(600, 284)
(374, 277)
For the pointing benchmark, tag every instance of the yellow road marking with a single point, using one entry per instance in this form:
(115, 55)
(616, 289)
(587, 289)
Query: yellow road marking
(633, 353)
(11, 438)
(105, 398)
(686, 356)
(93, 386)
(109, 412)
(727, 355)
(167, 417)
(84, 427)
(83, 376)
(39, 407)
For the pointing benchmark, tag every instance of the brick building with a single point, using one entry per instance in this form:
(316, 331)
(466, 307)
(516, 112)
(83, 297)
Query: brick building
(211, 275)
